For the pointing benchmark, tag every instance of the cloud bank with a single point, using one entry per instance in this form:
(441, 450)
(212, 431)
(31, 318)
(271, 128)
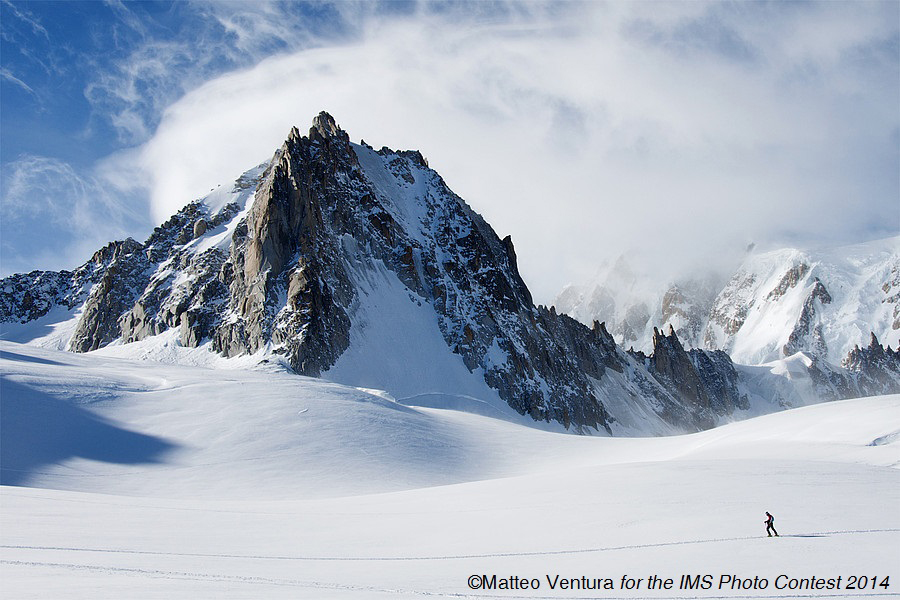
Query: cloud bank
(681, 131)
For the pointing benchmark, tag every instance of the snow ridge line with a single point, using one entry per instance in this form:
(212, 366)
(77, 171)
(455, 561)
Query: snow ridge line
(255, 580)
(447, 557)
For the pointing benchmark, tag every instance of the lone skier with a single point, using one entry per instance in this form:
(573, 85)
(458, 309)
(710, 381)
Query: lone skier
(770, 525)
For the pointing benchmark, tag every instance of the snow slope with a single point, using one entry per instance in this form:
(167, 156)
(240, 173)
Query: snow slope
(396, 345)
(131, 479)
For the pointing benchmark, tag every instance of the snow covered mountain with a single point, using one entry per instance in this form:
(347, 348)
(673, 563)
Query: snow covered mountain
(362, 267)
(774, 305)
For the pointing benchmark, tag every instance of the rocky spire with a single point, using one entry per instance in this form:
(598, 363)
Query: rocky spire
(672, 364)
(324, 128)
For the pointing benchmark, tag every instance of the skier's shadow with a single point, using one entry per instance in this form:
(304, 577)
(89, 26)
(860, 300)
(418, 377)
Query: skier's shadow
(806, 535)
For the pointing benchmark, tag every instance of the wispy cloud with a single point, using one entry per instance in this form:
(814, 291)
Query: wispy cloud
(26, 17)
(5, 74)
(18, 26)
(161, 62)
(51, 211)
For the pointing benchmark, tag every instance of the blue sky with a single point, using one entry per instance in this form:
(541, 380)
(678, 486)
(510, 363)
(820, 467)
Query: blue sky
(681, 131)
(82, 81)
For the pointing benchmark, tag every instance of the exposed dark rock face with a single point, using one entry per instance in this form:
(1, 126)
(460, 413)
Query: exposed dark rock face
(791, 278)
(807, 332)
(874, 369)
(28, 296)
(706, 381)
(163, 305)
(870, 371)
(672, 364)
(122, 280)
(125, 289)
(891, 289)
(721, 381)
(286, 280)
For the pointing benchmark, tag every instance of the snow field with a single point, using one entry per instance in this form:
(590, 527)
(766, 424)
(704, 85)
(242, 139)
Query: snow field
(640, 519)
(249, 484)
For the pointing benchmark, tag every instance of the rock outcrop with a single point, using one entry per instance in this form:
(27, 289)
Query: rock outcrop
(706, 382)
(874, 369)
(807, 334)
(124, 275)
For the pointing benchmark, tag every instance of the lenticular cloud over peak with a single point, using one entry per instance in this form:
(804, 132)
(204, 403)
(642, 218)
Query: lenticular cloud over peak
(624, 144)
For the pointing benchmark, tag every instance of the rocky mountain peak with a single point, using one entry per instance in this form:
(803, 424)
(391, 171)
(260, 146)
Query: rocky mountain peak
(331, 243)
(324, 127)
(876, 345)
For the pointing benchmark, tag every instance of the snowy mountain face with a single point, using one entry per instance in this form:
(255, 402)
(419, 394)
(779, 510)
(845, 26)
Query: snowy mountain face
(362, 267)
(775, 305)
(822, 304)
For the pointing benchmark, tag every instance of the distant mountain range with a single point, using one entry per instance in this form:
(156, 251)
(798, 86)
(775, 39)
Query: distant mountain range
(361, 266)
(822, 303)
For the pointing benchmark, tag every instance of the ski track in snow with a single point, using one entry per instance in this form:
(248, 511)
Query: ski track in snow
(159, 573)
(255, 580)
(449, 557)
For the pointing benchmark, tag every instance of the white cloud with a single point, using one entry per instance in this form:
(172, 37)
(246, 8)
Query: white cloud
(681, 129)
(158, 65)
(28, 18)
(5, 74)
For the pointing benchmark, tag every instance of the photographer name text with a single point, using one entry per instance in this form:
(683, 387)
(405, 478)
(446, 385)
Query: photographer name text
(722, 582)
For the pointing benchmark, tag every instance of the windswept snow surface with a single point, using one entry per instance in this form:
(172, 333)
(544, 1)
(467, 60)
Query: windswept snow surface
(125, 478)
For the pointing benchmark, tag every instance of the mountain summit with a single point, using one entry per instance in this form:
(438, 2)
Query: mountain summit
(361, 266)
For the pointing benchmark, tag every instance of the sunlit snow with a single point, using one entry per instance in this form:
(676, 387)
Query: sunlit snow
(125, 478)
